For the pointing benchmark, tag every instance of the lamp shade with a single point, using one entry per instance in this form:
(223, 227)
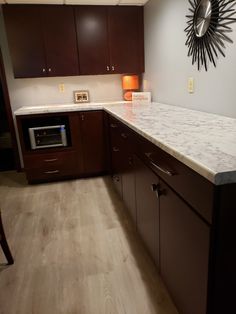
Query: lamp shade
(130, 82)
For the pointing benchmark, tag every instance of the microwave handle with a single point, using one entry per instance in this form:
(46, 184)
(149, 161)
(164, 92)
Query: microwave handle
(32, 138)
(64, 137)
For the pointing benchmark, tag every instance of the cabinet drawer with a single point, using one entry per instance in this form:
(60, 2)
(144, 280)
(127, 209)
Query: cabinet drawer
(195, 189)
(50, 166)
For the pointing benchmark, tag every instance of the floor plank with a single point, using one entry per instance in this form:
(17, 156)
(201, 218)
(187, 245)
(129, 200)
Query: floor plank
(75, 250)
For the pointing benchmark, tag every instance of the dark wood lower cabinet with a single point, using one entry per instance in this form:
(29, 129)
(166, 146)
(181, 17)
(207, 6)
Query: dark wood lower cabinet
(128, 186)
(85, 154)
(190, 236)
(93, 142)
(184, 253)
(148, 215)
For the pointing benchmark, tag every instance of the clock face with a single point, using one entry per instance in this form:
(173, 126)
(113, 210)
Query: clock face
(202, 18)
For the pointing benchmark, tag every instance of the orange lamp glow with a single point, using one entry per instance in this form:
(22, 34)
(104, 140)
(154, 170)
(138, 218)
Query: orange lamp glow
(130, 83)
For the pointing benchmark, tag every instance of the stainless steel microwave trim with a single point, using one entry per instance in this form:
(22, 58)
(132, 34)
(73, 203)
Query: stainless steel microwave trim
(63, 136)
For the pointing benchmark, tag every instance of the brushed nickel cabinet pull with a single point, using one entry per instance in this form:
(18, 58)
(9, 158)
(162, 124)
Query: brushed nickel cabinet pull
(163, 170)
(51, 160)
(51, 172)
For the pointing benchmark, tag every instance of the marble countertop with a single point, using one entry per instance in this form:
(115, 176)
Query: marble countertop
(204, 142)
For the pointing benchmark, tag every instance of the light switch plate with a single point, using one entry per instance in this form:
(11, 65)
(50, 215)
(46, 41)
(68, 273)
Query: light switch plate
(191, 85)
(81, 96)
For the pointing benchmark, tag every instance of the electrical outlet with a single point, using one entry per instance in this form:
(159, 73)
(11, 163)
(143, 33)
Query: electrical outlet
(191, 85)
(61, 88)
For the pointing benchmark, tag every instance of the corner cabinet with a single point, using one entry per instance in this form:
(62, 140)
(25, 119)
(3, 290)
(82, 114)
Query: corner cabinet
(57, 40)
(42, 40)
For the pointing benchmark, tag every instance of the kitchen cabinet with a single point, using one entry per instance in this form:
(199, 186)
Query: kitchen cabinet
(176, 234)
(126, 39)
(84, 155)
(148, 211)
(93, 142)
(122, 164)
(42, 40)
(116, 155)
(110, 39)
(92, 34)
(25, 39)
(55, 163)
(184, 252)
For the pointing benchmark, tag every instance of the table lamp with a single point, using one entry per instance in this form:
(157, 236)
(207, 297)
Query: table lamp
(130, 84)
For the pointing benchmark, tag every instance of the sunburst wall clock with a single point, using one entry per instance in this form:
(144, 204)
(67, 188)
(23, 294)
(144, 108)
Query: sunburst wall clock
(207, 30)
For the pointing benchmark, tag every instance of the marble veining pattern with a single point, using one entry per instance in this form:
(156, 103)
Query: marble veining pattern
(204, 142)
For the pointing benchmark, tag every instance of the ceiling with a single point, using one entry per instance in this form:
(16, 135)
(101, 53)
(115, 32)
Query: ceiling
(78, 2)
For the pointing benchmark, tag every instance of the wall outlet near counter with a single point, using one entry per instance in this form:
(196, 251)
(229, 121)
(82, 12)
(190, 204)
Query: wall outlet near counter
(191, 85)
(61, 88)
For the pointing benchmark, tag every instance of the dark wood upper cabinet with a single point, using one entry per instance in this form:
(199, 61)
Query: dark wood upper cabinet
(125, 25)
(60, 40)
(92, 35)
(93, 142)
(56, 40)
(25, 38)
(110, 39)
(42, 40)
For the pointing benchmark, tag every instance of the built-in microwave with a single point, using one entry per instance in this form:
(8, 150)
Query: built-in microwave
(48, 136)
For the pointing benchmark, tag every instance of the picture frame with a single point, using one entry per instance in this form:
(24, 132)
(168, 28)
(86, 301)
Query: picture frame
(81, 96)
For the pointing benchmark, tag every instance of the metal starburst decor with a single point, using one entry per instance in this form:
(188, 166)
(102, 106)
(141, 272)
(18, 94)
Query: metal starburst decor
(208, 28)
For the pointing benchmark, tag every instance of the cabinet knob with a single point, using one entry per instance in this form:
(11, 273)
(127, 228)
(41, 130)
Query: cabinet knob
(44, 70)
(157, 189)
(108, 68)
(113, 68)
(82, 117)
(115, 149)
(124, 135)
(131, 161)
(113, 125)
(49, 70)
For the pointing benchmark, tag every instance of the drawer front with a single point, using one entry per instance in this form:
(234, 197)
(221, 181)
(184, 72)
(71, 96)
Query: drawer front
(50, 166)
(194, 189)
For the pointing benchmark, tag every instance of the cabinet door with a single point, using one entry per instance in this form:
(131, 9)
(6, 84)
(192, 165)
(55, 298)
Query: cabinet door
(116, 160)
(184, 250)
(93, 142)
(126, 39)
(60, 40)
(128, 186)
(91, 23)
(147, 205)
(25, 38)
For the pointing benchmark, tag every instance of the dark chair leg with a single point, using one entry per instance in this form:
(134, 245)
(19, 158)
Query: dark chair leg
(4, 244)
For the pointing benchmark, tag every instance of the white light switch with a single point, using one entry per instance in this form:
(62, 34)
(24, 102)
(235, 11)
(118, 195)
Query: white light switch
(191, 85)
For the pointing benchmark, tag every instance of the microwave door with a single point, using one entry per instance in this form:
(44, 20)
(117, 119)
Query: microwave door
(47, 137)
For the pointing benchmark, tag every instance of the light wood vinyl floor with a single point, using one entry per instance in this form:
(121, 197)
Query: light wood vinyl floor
(75, 250)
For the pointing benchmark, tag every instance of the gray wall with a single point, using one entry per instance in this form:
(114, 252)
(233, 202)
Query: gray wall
(168, 67)
(42, 91)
